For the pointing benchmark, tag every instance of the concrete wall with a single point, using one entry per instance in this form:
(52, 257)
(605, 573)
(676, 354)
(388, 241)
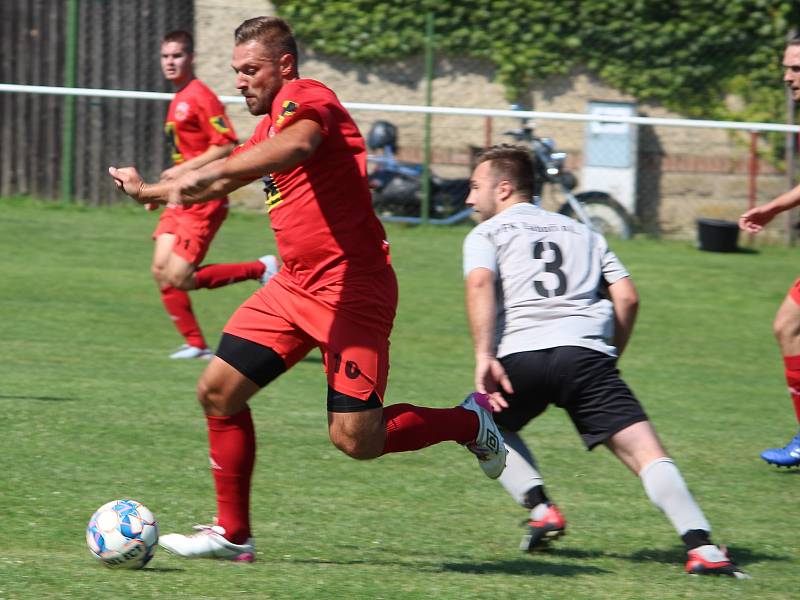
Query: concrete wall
(683, 173)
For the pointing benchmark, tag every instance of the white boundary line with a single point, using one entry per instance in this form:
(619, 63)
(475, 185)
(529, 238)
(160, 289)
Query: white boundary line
(434, 110)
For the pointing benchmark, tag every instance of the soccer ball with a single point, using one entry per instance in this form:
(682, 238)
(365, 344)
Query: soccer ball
(122, 534)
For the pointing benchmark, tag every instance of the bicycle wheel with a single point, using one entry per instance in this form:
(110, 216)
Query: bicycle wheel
(607, 215)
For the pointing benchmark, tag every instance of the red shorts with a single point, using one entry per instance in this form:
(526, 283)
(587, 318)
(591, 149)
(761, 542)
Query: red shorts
(794, 291)
(193, 233)
(350, 323)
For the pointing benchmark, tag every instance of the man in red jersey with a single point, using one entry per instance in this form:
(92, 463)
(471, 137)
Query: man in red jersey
(336, 290)
(199, 133)
(786, 326)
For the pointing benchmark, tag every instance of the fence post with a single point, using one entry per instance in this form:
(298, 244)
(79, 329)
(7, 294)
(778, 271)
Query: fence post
(791, 145)
(789, 156)
(752, 187)
(68, 130)
(426, 163)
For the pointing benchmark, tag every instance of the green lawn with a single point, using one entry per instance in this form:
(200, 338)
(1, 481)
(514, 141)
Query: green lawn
(93, 410)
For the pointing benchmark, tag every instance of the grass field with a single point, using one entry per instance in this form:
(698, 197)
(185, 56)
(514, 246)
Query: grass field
(92, 410)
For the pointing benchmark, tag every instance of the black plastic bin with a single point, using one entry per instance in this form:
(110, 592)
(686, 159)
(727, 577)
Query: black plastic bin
(715, 235)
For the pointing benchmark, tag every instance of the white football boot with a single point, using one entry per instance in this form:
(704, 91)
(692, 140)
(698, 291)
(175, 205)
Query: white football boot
(208, 542)
(187, 352)
(271, 264)
(488, 446)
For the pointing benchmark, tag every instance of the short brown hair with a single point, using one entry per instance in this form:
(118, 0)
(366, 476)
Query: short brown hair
(513, 164)
(272, 32)
(181, 37)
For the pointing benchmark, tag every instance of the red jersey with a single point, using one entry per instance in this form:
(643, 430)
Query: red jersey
(321, 210)
(196, 120)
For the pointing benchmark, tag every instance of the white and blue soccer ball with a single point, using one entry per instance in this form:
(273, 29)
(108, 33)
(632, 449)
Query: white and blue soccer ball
(122, 534)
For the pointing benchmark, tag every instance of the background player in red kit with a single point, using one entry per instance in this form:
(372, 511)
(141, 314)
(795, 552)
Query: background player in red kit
(198, 132)
(336, 290)
(787, 320)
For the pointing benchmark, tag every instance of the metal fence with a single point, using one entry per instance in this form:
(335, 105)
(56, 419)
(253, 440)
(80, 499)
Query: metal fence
(676, 174)
(672, 172)
(116, 46)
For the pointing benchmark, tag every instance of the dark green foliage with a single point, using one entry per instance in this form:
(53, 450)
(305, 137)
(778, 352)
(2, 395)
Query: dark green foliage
(685, 54)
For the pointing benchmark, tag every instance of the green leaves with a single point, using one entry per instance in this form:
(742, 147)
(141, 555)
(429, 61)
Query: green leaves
(683, 54)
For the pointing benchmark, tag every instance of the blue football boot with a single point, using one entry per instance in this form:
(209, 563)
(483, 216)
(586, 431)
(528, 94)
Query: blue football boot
(784, 457)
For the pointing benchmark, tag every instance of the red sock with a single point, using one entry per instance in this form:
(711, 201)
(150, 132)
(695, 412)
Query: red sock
(214, 276)
(410, 427)
(791, 365)
(179, 309)
(232, 452)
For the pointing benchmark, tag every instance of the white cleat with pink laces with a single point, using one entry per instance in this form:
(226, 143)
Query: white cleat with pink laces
(208, 542)
(488, 445)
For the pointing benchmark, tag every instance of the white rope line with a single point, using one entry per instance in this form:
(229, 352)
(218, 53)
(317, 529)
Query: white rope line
(434, 110)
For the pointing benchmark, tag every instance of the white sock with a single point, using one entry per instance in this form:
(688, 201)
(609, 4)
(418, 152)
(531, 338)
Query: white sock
(520, 473)
(666, 489)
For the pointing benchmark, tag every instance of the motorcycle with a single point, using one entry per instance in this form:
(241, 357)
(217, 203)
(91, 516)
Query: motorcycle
(596, 209)
(397, 186)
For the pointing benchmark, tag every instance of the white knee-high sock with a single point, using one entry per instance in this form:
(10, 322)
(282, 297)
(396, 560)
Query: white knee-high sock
(520, 473)
(666, 489)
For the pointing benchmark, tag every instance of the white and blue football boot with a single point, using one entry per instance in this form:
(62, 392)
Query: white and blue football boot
(788, 456)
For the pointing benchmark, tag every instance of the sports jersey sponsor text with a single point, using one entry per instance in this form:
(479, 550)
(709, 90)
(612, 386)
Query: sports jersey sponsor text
(273, 193)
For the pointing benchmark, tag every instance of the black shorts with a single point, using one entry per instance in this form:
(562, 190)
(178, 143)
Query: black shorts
(584, 382)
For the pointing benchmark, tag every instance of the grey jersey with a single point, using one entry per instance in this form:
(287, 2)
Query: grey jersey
(550, 270)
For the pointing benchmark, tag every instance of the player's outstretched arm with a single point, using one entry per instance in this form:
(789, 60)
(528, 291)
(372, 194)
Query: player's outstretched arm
(755, 219)
(128, 180)
(490, 376)
(212, 153)
(625, 298)
(295, 143)
(284, 151)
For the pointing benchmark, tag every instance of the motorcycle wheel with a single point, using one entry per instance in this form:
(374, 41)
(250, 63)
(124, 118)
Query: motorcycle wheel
(607, 215)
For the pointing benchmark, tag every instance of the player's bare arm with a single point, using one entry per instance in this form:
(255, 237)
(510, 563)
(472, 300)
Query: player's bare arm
(294, 144)
(211, 154)
(490, 376)
(287, 149)
(626, 305)
(128, 180)
(757, 217)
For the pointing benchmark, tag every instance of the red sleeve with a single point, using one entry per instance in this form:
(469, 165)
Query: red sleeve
(297, 102)
(214, 121)
(261, 133)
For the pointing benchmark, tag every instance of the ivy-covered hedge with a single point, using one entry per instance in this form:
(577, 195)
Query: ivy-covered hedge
(687, 55)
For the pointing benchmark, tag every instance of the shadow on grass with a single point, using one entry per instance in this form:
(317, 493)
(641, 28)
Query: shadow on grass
(524, 567)
(162, 570)
(520, 566)
(530, 565)
(788, 470)
(41, 398)
(741, 555)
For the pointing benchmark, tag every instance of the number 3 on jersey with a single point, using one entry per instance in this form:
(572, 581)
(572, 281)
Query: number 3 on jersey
(552, 265)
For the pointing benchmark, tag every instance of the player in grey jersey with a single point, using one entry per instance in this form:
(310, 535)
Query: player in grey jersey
(550, 309)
